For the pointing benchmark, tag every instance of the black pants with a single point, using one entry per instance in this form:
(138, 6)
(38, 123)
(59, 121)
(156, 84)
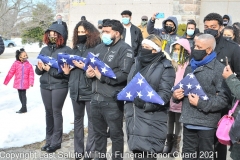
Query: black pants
(108, 114)
(53, 101)
(198, 144)
(79, 111)
(22, 97)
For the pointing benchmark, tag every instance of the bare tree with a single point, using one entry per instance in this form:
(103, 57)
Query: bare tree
(10, 11)
(15, 15)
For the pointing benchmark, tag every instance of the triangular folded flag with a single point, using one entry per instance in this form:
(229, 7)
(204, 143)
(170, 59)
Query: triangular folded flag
(190, 84)
(94, 61)
(139, 86)
(67, 58)
(48, 60)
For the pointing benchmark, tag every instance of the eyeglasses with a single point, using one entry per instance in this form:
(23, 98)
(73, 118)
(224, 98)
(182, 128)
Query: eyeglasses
(144, 19)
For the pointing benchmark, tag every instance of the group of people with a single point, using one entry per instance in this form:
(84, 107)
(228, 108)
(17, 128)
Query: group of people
(163, 58)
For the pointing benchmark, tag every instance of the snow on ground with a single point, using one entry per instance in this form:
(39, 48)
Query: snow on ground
(21, 129)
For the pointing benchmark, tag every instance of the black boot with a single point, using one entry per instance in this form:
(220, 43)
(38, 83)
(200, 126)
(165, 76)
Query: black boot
(169, 144)
(175, 149)
(44, 148)
(52, 149)
(22, 110)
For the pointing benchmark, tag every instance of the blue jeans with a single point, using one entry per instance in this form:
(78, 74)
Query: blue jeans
(108, 114)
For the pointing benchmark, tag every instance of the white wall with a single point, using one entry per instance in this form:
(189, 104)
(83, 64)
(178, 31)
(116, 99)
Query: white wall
(95, 10)
(222, 7)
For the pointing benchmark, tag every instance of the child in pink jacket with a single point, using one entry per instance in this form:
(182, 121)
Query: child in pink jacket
(24, 77)
(180, 54)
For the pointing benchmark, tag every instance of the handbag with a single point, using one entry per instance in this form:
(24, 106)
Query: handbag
(224, 126)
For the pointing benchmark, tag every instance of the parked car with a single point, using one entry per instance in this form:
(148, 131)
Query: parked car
(9, 43)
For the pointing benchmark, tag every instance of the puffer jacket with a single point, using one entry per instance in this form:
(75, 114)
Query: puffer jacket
(147, 128)
(24, 75)
(80, 86)
(52, 79)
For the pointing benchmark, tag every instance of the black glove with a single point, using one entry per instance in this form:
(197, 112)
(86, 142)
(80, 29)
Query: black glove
(139, 102)
(115, 93)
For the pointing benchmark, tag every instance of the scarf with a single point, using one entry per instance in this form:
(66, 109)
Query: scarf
(206, 60)
(147, 60)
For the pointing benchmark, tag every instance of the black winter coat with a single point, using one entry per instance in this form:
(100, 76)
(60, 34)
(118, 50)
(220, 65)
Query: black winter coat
(136, 38)
(52, 79)
(227, 48)
(147, 128)
(80, 86)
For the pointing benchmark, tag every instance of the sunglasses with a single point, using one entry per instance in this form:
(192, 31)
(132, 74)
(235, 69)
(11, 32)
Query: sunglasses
(144, 19)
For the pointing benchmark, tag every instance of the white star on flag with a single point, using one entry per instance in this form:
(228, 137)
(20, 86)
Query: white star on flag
(92, 60)
(50, 58)
(71, 56)
(205, 98)
(71, 66)
(104, 70)
(150, 94)
(63, 60)
(140, 81)
(139, 94)
(49, 63)
(189, 86)
(129, 95)
(191, 76)
(198, 86)
(181, 85)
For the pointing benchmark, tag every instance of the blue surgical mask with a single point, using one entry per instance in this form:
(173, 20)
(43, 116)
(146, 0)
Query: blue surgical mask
(106, 38)
(125, 20)
(190, 32)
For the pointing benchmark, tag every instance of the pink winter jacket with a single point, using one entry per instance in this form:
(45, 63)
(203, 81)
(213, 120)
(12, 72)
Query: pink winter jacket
(179, 74)
(24, 75)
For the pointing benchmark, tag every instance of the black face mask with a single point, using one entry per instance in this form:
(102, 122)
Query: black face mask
(145, 52)
(82, 39)
(168, 29)
(213, 32)
(227, 38)
(198, 55)
(99, 27)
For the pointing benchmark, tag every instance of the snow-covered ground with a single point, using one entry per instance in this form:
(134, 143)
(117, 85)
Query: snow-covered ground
(34, 47)
(20, 129)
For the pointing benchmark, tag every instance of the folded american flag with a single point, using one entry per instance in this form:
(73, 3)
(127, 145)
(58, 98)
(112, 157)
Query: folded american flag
(138, 86)
(94, 61)
(67, 58)
(48, 60)
(190, 84)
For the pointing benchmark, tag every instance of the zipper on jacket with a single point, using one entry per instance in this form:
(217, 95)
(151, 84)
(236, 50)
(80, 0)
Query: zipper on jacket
(97, 80)
(22, 76)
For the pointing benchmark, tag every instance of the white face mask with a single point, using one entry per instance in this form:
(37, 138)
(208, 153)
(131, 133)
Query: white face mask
(175, 56)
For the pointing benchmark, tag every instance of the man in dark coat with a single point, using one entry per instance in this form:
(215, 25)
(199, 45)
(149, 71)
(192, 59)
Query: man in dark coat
(2, 47)
(59, 21)
(132, 35)
(213, 24)
(200, 116)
